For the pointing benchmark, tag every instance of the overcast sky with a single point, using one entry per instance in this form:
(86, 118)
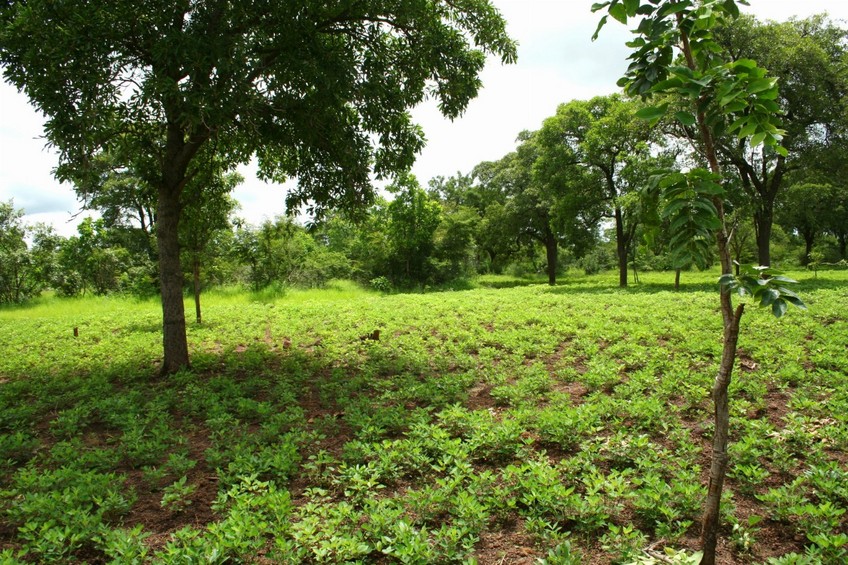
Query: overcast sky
(557, 62)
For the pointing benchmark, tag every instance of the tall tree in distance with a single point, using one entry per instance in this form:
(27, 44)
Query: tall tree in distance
(319, 91)
(602, 135)
(675, 52)
(808, 59)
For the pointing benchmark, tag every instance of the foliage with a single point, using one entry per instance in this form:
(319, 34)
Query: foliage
(596, 153)
(321, 93)
(413, 220)
(464, 421)
(765, 285)
(21, 270)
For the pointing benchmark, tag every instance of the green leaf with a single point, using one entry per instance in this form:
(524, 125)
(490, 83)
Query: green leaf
(669, 9)
(749, 129)
(601, 24)
(668, 84)
(797, 302)
(599, 6)
(685, 118)
(758, 138)
(618, 12)
(779, 308)
(652, 113)
(760, 85)
(736, 106)
(768, 296)
(744, 64)
(731, 8)
(631, 6)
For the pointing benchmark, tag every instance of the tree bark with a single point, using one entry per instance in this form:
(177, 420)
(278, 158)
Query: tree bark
(174, 341)
(676, 279)
(809, 240)
(621, 247)
(551, 254)
(196, 272)
(763, 219)
(718, 464)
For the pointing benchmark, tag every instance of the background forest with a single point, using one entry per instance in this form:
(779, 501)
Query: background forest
(575, 194)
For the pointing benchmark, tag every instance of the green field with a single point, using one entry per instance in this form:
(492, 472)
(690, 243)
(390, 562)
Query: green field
(566, 424)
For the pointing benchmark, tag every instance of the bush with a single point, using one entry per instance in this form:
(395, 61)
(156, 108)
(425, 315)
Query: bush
(381, 284)
(597, 260)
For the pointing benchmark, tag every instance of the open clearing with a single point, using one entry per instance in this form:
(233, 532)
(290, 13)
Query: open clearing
(568, 423)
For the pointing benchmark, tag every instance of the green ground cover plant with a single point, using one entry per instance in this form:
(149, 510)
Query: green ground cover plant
(563, 424)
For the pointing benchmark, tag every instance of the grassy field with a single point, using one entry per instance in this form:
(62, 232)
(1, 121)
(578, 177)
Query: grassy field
(566, 424)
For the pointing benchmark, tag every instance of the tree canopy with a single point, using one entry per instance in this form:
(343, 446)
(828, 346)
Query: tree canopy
(320, 91)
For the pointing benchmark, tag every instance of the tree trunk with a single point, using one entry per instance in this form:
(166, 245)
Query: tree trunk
(621, 247)
(809, 240)
(843, 245)
(718, 464)
(763, 219)
(171, 279)
(196, 272)
(551, 253)
(677, 279)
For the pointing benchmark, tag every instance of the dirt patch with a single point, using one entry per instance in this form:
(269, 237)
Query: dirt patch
(505, 547)
(480, 397)
(576, 390)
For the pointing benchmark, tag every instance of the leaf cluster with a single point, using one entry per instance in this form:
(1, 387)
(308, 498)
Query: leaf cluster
(766, 286)
(690, 210)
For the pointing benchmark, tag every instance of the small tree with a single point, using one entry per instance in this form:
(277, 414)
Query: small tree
(675, 53)
(413, 220)
(206, 211)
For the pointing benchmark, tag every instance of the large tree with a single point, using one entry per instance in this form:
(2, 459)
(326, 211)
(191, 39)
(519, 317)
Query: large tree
(602, 135)
(317, 90)
(530, 210)
(808, 58)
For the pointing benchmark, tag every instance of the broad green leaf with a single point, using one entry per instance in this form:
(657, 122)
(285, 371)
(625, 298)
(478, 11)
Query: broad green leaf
(652, 113)
(618, 12)
(744, 64)
(768, 296)
(731, 8)
(760, 85)
(669, 9)
(599, 6)
(668, 84)
(797, 302)
(685, 118)
(727, 280)
(758, 138)
(779, 308)
(736, 106)
(631, 6)
(749, 129)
